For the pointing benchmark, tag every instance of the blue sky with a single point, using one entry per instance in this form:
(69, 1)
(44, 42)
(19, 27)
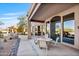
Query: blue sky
(69, 24)
(9, 12)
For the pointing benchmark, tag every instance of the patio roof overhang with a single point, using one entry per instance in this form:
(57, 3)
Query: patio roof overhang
(41, 12)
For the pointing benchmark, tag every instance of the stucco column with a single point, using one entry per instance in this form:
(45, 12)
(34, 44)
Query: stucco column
(61, 36)
(33, 30)
(45, 27)
(29, 29)
(41, 30)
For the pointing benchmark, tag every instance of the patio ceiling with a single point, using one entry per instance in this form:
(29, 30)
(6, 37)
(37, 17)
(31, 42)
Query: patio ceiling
(46, 10)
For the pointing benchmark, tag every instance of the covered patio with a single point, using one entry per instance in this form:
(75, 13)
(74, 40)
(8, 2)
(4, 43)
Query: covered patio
(44, 17)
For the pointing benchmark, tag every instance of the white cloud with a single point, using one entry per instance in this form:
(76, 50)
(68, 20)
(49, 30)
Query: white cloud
(5, 18)
(11, 15)
(9, 23)
(14, 14)
(10, 19)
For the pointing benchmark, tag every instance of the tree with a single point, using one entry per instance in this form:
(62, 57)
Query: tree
(1, 23)
(1, 34)
(22, 25)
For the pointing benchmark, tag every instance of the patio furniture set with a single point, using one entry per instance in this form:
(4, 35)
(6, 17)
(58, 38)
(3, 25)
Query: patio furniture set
(45, 42)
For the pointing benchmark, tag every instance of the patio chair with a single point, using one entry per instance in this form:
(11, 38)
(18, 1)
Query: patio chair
(53, 43)
(35, 39)
(56, 41)
(42, 44)
(46, 35)
(46, 43)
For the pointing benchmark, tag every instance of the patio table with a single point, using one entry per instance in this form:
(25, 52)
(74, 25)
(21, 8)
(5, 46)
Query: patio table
(43, 42)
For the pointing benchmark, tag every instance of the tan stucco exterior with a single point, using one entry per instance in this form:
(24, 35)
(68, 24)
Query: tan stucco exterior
(74, 9)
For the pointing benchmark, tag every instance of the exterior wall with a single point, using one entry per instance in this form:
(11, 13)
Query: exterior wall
(74, 9)
(36, 24)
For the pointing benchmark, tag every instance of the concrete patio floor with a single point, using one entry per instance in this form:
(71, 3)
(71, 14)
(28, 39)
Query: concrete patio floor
(29, 48)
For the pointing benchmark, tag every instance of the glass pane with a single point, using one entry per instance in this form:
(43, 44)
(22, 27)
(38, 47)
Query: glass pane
(69, 31)
(58, 28)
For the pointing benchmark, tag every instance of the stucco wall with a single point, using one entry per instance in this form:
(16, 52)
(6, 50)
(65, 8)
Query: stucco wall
(74, 9)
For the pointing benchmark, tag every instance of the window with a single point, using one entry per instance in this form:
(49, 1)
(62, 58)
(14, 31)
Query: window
(55, 27)
(68, 35)
(58, 28)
